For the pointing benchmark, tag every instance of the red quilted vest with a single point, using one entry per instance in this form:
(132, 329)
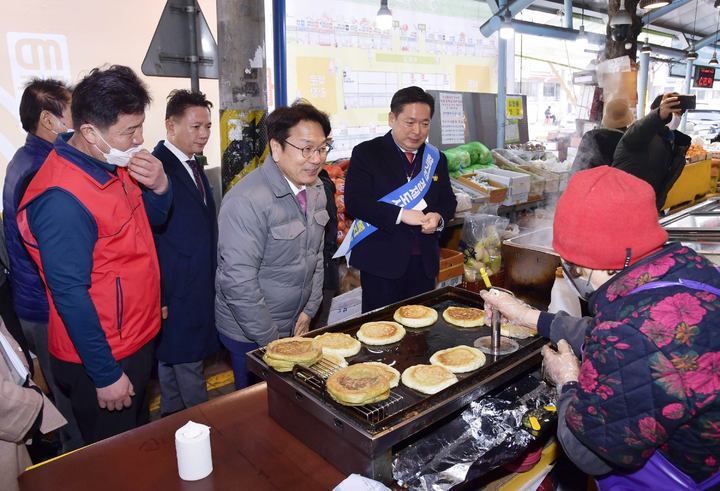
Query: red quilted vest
(125, 280)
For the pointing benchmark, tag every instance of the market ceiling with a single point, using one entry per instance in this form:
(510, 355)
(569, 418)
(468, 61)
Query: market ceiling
(678, 17)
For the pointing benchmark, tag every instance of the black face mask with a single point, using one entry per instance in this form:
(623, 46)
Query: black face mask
(583, 287)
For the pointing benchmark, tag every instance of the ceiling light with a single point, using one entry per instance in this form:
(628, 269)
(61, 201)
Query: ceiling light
(714, 60)
(654, 4)
(645, 48)
(582, 38)
(691, 54)
(717, 4)
(507, 31)
(621, 17)
(384, 17)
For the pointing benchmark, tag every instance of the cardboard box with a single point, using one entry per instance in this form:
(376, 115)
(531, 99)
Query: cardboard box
(516, 182)
(451, 268)
(346, 306)
(496, 191)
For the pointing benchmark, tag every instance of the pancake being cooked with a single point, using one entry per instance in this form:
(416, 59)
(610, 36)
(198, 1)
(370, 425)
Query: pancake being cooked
(283, 354)
(392, 375)
(464, 316)
(358, 385)
(380, 333)
(338, 343)
(428, 379)
(459, 359)
(415, 315)
(516, 331)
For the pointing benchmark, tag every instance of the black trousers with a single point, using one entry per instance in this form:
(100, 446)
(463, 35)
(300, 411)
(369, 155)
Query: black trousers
(378, 292)
(96, 423)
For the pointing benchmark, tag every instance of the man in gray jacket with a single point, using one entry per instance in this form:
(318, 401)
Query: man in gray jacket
(270, 246)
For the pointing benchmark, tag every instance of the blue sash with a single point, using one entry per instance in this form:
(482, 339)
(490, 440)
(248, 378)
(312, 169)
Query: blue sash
(406, 196)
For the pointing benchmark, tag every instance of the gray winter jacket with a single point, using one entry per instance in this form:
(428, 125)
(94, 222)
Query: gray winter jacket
(270, 257)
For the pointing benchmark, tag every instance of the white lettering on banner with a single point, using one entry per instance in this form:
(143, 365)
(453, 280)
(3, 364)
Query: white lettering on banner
(37, 55)
(410, 194)
(428, 166)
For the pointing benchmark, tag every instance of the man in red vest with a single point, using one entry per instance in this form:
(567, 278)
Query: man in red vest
(85, 220)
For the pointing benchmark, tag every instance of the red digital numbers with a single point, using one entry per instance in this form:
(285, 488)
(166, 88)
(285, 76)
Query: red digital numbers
(704, 77)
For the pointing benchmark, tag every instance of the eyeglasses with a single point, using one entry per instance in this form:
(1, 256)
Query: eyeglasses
(308, 151)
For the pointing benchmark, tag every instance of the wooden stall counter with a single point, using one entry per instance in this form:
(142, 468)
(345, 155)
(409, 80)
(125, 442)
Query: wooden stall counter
(249, 450)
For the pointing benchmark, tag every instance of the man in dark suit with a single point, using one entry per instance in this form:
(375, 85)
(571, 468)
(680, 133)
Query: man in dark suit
(402, 258)
(186, 247)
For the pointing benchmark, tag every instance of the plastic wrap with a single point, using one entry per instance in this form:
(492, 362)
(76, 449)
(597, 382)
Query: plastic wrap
(480, 241)
(487, 434)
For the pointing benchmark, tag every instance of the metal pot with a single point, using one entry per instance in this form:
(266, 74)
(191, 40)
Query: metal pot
(530, 264)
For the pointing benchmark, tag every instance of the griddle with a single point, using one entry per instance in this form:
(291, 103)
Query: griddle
(360, 439)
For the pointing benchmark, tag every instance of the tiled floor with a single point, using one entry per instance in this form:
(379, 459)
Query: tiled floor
(219, 376)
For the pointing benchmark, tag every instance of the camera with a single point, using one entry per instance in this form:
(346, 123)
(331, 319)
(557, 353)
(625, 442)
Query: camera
(687, 102)
(620, 32)
(620, 24)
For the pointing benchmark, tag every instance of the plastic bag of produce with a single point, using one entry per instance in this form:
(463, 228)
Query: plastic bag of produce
(482, 153)
(480, 241)
(457, 159)
(473, 151)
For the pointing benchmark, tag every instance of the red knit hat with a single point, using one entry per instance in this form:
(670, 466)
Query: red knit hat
(605, 216)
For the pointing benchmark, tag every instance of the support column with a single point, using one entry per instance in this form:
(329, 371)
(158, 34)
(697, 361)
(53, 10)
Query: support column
(686, 89)
(243, 87)
(192, 11)
(280, 52)
(502, 92)
(568, 14)
(501, 87)
(642, 83)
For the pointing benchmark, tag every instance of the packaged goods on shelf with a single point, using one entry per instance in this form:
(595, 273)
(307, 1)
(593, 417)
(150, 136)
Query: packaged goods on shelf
(504, 159)
(518, 183)
(696, 153)
(336, 170)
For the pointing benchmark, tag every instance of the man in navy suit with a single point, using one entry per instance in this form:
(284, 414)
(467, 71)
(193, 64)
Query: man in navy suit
(186, 247)
(402, 258)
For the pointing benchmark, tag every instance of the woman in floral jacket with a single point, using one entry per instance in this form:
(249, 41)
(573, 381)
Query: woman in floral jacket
(641, 409)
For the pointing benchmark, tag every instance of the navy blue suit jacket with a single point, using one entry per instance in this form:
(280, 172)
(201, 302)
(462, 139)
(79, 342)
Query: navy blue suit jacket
(187, 247)
(378, 167)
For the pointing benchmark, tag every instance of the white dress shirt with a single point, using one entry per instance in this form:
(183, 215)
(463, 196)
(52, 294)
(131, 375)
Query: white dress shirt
(182, 158)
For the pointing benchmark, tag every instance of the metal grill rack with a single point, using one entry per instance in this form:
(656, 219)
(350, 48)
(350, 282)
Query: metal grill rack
(323, 368)
(315, 376)
(372, 413)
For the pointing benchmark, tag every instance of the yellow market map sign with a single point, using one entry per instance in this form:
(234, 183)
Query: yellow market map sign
(513, 107)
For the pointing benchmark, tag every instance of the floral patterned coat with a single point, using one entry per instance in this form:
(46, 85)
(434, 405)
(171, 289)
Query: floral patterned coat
(650, 373)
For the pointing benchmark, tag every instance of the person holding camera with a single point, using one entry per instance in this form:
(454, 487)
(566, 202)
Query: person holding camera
(653, 149)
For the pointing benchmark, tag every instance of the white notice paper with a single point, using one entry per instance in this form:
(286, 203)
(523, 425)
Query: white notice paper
(452, 118)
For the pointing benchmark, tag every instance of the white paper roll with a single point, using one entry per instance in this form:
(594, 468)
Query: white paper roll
(192, 444)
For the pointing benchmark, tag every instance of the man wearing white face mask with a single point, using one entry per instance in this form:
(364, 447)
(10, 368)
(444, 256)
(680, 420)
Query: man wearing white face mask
(652, 148)
(44, 114)
(85, 220)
